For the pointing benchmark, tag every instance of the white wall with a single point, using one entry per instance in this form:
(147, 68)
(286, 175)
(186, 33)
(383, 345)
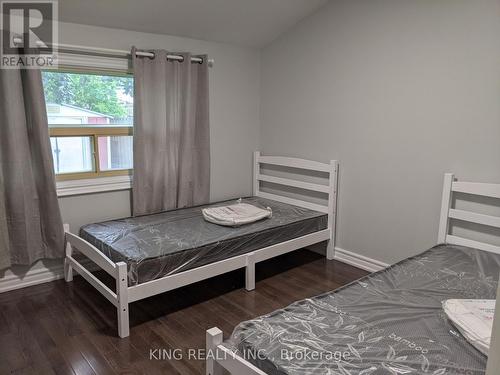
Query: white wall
(400, 92)
(234, 118)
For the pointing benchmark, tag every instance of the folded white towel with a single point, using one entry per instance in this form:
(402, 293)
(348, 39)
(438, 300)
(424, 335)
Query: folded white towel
(236, 214)
(474, 319)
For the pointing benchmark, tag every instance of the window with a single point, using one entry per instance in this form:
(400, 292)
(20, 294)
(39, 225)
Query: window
(90, 117)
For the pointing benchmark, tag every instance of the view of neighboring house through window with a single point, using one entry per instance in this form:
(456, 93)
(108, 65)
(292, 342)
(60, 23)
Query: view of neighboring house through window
(90, 119)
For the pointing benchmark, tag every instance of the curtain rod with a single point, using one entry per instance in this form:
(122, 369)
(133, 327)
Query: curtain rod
(113, 52)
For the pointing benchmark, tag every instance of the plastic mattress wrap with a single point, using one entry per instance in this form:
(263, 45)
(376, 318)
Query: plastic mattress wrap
(390, 322)
(162, 244)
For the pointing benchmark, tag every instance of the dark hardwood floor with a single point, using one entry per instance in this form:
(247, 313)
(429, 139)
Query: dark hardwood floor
(60, 328)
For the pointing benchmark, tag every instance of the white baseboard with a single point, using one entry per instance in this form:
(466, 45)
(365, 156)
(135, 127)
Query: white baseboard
(39, 276)
(32, 277)
(358, 260)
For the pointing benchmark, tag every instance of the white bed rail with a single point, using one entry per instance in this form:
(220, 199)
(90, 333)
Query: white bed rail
(451, 186)
(331, 169)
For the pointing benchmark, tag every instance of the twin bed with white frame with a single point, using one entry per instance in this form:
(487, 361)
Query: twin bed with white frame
(222, 357)
(125, 294)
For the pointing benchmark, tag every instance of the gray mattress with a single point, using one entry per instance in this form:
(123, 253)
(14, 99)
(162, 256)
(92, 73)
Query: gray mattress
(390, 322)
(162, 244)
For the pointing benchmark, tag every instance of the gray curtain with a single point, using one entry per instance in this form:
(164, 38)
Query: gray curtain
(4, 234)
(171, 133)
(30, 221)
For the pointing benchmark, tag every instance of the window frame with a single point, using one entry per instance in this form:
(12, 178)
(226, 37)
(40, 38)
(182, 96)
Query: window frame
(94, 132)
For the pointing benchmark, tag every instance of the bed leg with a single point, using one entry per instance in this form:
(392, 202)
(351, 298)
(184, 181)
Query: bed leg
(332, 207)
(68, 270)
(213, 339)
(250, 272)
(122, 295)
(330, 250)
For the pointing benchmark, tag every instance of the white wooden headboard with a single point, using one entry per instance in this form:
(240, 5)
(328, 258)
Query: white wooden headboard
(451, 186)
(448, 212)
(331, 169)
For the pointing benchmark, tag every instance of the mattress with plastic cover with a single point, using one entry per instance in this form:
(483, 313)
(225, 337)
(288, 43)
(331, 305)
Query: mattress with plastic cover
(389, 322)
(166, 243)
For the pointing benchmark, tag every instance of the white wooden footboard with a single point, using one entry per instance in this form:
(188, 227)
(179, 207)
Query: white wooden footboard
(117, 270)
(219, 357)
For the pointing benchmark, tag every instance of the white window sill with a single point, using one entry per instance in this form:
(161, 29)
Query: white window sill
(93, 185)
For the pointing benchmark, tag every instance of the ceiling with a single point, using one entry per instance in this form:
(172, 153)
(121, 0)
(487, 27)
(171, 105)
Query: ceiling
(252, 23)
